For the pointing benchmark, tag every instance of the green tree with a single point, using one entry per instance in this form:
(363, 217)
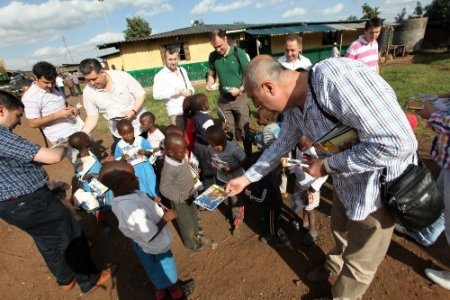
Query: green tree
(438, 11)
(369, 12)
(352, 18)
(137, 27)
(401, 16)
(418, 11)
(197, 22)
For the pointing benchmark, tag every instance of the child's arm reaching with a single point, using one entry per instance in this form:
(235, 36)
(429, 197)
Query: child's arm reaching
(168, 216)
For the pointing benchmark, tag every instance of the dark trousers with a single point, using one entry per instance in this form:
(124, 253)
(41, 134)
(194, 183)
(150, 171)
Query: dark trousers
(57, 235)
(207, 173)
(187, 221)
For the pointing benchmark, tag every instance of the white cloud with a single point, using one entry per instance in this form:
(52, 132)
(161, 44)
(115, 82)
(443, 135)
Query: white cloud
(390, 8)
(26, 23)
(156, 10)
(333, 10)
(59, 55)
(294, 12)
(206, 6)
(267, 3)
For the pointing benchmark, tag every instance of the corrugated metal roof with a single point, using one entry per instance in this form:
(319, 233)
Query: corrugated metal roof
(289, 30)
(253, 29)
(193, 30)
(342, 27)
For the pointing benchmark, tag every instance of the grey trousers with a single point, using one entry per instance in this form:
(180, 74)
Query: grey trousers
(187, 221)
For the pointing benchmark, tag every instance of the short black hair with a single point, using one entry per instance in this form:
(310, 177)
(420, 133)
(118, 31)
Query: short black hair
(10, 101)
(172, 139)
(76, 138)
(171, 50)
(90, 64)
(216, 135)
(123, 123)
(45, 69)
(374, 22)
(196, 102)
(174, 129)
(149, 115)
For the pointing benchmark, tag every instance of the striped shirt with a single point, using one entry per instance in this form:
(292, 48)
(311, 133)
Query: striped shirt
(19, 175)
(440, 149)
(364, 51)
(361, 99)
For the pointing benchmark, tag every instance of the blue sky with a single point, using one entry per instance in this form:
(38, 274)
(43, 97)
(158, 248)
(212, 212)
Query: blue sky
(35, 30)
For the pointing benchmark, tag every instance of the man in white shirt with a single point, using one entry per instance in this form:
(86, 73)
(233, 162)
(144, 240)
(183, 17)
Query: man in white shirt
(292, 58)
(172, 85)
(46, 108)
(115, 94)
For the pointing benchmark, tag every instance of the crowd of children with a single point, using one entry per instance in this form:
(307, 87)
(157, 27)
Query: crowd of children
(153, 165)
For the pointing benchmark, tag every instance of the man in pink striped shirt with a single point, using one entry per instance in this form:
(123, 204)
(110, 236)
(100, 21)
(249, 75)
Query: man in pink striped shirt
(365, 48)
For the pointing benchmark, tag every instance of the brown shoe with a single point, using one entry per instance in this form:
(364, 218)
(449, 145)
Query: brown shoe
(105, 275)
(67, 287)
(318, 274)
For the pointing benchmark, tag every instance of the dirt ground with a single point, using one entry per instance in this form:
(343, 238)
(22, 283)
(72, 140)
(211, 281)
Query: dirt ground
(240, 268)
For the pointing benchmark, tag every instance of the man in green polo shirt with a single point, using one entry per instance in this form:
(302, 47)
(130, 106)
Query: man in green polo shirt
(228, 64)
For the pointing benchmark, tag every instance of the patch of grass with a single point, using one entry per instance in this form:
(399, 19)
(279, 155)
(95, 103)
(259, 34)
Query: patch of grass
(423, 76)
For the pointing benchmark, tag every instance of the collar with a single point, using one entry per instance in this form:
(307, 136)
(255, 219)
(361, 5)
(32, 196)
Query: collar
(37, 88)
(363, 40)
(173, 162)
(172, 72)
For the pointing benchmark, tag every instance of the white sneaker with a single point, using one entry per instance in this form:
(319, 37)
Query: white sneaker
(440, 277)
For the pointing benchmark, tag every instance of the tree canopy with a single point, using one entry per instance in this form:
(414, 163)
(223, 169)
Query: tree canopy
(369, 12)
(439, 11)
(137, 27)
(401, 16)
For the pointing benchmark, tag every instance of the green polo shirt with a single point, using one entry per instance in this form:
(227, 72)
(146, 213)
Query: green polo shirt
(228, 69)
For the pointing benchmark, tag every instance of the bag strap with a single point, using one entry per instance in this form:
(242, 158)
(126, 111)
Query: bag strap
(313, 93)
(184, 79)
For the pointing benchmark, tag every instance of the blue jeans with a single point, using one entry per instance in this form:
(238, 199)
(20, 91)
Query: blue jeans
(427, 236)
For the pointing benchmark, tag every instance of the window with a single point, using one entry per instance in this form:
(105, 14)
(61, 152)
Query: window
(328, 38)
(183, 49)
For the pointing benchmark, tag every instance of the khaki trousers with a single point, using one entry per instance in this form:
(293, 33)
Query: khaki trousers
(360, 246)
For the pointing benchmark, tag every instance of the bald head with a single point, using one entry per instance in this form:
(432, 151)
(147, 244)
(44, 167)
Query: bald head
(272, 86)
(259, 69)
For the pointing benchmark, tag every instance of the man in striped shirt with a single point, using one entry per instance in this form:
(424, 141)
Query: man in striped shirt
(345, 89)
(365, 48)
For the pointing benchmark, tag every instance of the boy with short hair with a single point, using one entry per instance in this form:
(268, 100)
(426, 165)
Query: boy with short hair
(177, 184)
(144, 222)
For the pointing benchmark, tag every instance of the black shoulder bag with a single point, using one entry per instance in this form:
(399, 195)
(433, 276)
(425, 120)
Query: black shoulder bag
(413, 198)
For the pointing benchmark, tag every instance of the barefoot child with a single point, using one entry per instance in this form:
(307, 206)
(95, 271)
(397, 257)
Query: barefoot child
(177, 185)
(145, 223)
(135, 151)
(228, 159)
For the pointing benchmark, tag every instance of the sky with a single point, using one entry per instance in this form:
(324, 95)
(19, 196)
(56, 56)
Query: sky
(67, 31)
